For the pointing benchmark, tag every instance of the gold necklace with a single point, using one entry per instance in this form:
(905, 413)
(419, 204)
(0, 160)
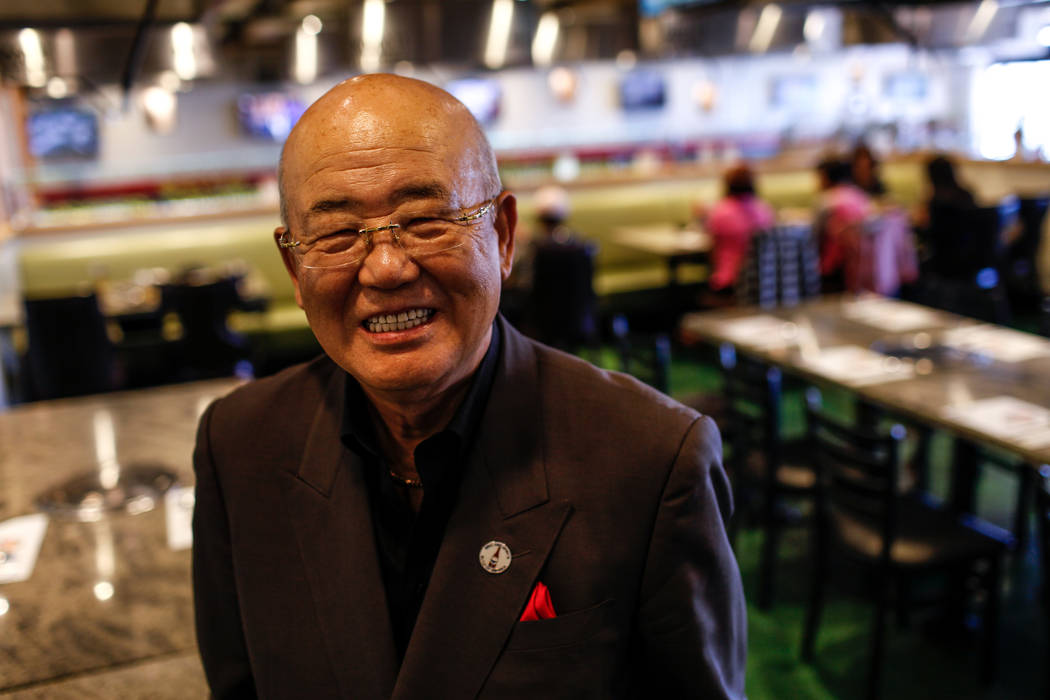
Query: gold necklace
(404, 481)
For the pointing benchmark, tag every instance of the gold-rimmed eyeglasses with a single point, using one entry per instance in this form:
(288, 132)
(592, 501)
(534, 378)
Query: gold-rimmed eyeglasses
(419, 233)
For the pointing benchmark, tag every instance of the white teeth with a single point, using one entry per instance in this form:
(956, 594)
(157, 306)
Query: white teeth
(383, 323)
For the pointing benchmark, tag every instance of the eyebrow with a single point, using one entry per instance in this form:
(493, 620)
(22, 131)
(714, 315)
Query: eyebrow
(424, 190)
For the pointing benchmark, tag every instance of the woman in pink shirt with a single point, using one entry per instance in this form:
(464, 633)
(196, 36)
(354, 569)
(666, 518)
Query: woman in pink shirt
(732, 222)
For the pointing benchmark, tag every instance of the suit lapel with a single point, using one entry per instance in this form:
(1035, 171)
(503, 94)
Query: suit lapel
(468, 613)
(328, 503)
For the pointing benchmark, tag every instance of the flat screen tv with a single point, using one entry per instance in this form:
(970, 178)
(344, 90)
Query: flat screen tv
(268, 115)
(61, 133)
(642, 90)
(483, 97)
(797, 93)
(906, 87)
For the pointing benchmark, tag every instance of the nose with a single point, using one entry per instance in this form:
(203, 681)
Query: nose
(387, 265)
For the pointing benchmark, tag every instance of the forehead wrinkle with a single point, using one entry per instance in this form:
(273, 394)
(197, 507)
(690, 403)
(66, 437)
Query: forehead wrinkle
(323, 164)
(411, 191)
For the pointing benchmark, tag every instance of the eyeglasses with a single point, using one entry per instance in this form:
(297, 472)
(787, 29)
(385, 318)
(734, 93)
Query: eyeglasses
(419, 234)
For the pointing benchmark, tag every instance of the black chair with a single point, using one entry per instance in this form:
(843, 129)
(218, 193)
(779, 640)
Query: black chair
(646, 356)
(782, 268)
(562, 304)
(964, 272)
(766, 470)
(862, 515)
(208, 347)
(1042, 510)
(1020, 273)
(69, 351)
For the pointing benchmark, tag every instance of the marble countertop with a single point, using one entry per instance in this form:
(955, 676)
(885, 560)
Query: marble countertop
(63, 634)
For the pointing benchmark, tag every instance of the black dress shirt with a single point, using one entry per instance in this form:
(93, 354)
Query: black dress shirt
(408, 542)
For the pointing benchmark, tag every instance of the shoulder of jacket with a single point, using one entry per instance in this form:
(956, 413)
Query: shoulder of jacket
(283, 392)
(627, 395)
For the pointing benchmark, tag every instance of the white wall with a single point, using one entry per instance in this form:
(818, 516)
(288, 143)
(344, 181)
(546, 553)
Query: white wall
(206, 137)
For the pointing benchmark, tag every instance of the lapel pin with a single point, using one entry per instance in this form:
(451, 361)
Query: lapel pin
(495, 557)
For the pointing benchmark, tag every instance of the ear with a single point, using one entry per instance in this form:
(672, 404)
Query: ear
(290, 263)
(506, 226)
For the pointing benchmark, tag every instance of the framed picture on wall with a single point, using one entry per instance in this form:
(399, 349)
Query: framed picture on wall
(482, 96)
(642, 90)
(796, 93)
(906, 87)
(268, 115)
(62, 133)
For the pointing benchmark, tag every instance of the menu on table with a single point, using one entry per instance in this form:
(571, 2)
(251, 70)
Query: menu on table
(854, 365)
(997, 343)
(1008, 418)
(20, 540)
(891, 315)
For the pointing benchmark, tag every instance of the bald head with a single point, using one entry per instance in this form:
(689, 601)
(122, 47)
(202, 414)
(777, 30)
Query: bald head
(377, 113)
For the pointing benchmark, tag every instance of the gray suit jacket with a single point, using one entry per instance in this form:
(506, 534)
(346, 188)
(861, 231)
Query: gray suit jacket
(603, 489)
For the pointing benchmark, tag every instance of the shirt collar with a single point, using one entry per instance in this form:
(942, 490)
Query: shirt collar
(358, 433)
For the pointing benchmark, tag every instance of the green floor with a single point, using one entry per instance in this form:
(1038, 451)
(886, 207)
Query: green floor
(920, 663)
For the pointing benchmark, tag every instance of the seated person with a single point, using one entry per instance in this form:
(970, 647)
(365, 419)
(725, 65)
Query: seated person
(553, 277)
(864, 169)
(946, 222)
(732, 222)
(843, 207)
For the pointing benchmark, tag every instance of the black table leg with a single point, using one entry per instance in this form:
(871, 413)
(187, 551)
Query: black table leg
(963, 495)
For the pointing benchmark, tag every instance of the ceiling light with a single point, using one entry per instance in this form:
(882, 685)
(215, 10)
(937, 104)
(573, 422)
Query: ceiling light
(545, 40)
(1043, 36)
(57, 88)
(169, 81)
(305, 68)
(159, 105)
(29, 42)
(626, 60)
(182, 46)
(499, 33)
(814, 26)
(373, 22)
(65, 53)
(766, 28)
(982, 19)
(312, 25)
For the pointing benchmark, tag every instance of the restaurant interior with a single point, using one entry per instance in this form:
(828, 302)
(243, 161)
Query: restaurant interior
(885, 414)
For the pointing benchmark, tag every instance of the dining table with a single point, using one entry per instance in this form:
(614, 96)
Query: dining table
(674, 243)
(984, 384)
(96, 600)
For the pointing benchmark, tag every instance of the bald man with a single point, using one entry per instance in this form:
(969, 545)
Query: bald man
(438, 507)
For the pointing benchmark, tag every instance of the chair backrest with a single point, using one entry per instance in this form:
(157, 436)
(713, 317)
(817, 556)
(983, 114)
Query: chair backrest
(857, 471)
(208, 346)
(965, 239)
(562, 299)
(752, 411)
(646, 356)
(69, 353)
(781, 268)
(1042, 512)
(1032, 212)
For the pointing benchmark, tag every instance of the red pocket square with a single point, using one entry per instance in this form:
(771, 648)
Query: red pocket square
(540, 606)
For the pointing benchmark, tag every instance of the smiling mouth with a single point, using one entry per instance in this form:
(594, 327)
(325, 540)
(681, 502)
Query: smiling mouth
(401, 321)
